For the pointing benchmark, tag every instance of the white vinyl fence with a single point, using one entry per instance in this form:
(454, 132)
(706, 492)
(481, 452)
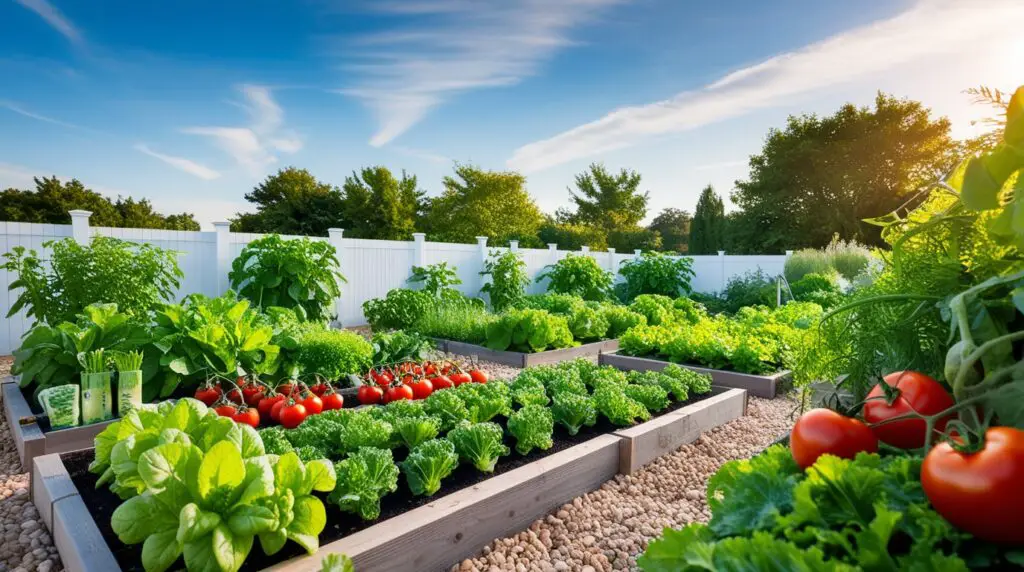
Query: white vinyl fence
(372, 267)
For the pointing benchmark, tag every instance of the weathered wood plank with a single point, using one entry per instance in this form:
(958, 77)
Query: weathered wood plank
(435, 536)
(78, 540)
(28, 439)
(643, 443)
(50, 482)
(758, 385)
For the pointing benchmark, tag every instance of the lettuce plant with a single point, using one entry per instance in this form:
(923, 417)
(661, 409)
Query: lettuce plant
(363, 430)
(652, 397)
(205, 506)
(532, 426)
(427, 464)
(528, 390)
(412, 431)
(673, 386)
(448, 407)
(698, 383)
(528, 331)
(588, 324)
(334, 353)
(479, 443)
(485, 401)
(620, 319)
(611, 401)
(573, 410)
(298, 515)
(362, 479)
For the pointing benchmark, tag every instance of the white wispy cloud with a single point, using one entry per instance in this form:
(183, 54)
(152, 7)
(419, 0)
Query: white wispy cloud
(256, 145)
(54, 18)
(423, 154)
(931, 29)
(181, 163)
(457, 46)
(720, 165)
(11, 106)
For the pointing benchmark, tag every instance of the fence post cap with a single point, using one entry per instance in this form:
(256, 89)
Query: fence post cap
(552, 246)
(222, 224)
(419, 236)
(335, 232)
(481, 240)
(721, 253)
(636, 251)
(789, 253)
(513, 244)
(79, 213)
(584, 249)
(611, 250)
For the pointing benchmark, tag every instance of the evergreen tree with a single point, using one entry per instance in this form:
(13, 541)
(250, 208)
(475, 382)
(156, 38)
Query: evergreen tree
(707, 230)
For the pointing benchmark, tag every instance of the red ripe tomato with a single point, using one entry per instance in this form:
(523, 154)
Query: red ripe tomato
(293, 415)
(421, 389)
(208, 394)
(980, 492)
(430, 369)
(266, 404)
(397, 393)
(285, 389)
(441, 382)
(275, 411)
(333, 401)
(382, 380)
(313, 404)
(823, 431)
(460, 377)
(478, 376)
(226, 410)
(235, 396)
(248, 417)
(369, 394)
(252, 394)
(917, 392)
(319, 389)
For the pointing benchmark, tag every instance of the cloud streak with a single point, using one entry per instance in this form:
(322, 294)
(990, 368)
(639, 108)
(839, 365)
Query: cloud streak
(457, 46)
(54, 18)
(257, 145)
(10, 106)
(180, 163)
(931, 28)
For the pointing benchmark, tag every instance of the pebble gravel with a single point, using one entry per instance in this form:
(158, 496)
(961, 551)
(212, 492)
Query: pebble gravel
(607, 529)
(601, 531)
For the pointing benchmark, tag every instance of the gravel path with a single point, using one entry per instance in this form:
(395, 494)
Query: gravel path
(605, 530)
(26, 544)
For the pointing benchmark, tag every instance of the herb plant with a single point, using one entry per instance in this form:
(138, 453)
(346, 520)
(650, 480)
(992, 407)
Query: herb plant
(655, 273)
(508, 282)
(136, 278)
(334, 353)
(480, 444)
(296, 273)
(578, 275)
(532, 426)
(435, 278)
(399, 310)
(428, 464)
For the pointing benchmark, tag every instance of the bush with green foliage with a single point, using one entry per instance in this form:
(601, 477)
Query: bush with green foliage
(508, 282)
(528, 331)
(579, 275)
(655, 273)
(334, 354)
(398, 310)
(291, 273)
(138, 278)
(435, 278)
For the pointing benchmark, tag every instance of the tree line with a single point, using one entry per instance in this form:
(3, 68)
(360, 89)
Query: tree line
(815, 178)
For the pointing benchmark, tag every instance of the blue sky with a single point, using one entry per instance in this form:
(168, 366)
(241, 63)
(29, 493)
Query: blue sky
(191, 103)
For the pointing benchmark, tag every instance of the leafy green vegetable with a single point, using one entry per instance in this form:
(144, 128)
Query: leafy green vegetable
(561, 304)
(298, 515)
(698, 383)
(652, 397)
(447, 406)
(427, 464)
(484, 401)
(394, 347)
(611, 401)
(290, 273)
(363, 430)
(532, 426)
(528, 331)
(578, 275)
(528, 390)
(363, 478)
(337, 563)
(621, 319)
(673, 386)
(435, 278)
(334, 353)
(508, 279)
(479, 443)
(656, 273)
(415, 430)
(555, 379)
(588, 324)
(574, 410)
(399, 310)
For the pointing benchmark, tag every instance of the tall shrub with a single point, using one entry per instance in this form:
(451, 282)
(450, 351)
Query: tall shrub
(655, 273)
(578, 275)
(508, 279)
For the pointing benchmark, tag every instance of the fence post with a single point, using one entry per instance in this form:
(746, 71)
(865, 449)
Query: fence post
(80, 226)
(223, 230)
(611, 262)
(481, 243)
(513, 245)
(419, 249)
(721, 261)
(335, 236)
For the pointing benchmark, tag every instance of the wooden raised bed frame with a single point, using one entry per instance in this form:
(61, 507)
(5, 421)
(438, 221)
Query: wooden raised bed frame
(32, 441)
(437, 535)
(757, 385)
(521, 359)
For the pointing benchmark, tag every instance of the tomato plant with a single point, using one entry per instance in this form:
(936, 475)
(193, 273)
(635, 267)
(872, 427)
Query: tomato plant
(441, 382)
(460, 377)
(267, 403)
(980, 491)
(226, 410)
(292, 415)
(903, 393)
(252, 394)
(823, 431)
(275, 410)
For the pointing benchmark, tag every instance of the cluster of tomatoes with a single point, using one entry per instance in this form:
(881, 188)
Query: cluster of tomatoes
(255, 403)
(413, 380)
(976, 489)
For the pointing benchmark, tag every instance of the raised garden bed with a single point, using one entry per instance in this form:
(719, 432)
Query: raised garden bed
(522, 359)
(33, 439)
(432, 533)
(758, 385)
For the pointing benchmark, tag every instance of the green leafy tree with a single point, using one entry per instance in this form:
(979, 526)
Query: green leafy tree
(378, 205)
(824, 175)
(292, 201)
(674, 227)
(628, 239)
(570, 236)
(707, 230)
(608, 201)
(476, 202)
